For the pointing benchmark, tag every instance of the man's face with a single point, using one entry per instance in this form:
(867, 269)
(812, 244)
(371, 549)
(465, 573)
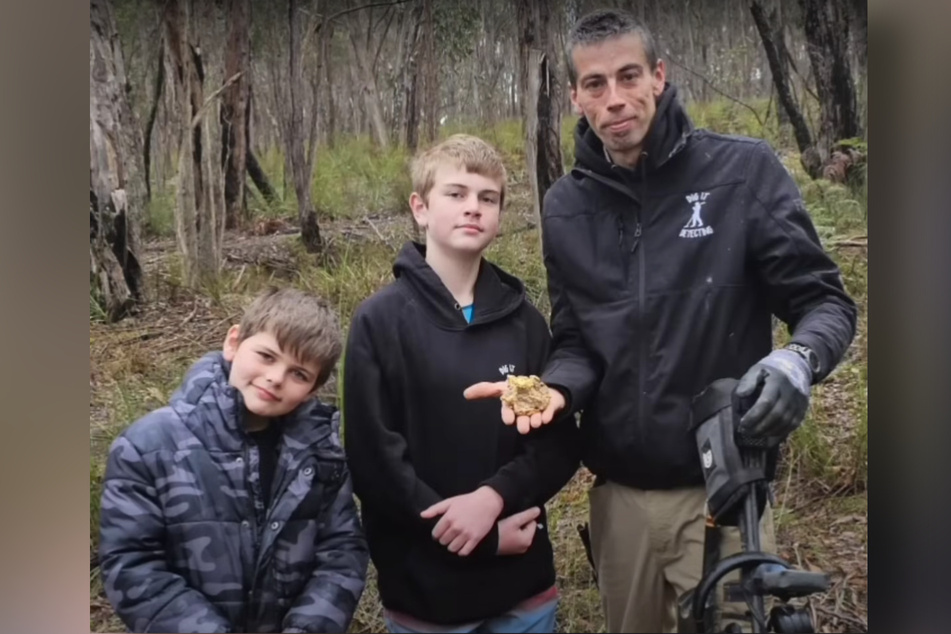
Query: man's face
(461, 215)
(271, 381)
(616, 92)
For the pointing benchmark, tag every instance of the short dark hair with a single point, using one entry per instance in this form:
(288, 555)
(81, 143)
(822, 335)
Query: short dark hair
(305, 326)
(604, 24)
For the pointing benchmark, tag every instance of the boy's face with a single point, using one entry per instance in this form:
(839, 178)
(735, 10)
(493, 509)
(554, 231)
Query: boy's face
(271, 381)
(462, 213)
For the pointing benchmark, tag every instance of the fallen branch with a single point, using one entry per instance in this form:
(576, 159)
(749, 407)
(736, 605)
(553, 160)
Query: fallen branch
(191, 315)
(856, 241)
(367, 220)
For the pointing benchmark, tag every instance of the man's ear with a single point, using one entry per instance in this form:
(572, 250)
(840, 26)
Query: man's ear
(574, 102)
(230, 347)
(660, 77)
(419, 209)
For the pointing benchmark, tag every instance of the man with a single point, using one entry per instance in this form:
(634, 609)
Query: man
(668, 249)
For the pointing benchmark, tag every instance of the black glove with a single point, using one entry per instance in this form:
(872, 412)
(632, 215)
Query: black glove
(782, 404)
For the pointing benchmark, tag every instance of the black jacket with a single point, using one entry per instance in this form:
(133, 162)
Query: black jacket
(412, 439)
(664, 278)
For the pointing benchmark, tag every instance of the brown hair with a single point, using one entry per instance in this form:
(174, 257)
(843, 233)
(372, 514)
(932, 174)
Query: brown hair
(465, 152)
(604, 24)
(303, 324)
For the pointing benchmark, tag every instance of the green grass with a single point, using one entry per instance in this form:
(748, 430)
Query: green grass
(160, 218)
(357, 178)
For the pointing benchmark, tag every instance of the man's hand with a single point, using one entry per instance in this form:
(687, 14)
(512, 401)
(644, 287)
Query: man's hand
(524, 423)
(466, 519)
(784, 399)
(517, 532)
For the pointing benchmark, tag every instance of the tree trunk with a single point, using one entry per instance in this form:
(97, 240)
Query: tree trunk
(116, 189)
(430, 85)
(150, 126)
(826, 26)
(411, 80)
(251, 163)
(310, 231)
(541, 105)
(371, 94)
(199, 217)
(780, 71)
(331, 103)
(259, 177)
(234, 111)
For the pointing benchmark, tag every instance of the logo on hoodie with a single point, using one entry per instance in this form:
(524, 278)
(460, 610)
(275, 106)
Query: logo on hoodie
(507, 369)
(695, 227)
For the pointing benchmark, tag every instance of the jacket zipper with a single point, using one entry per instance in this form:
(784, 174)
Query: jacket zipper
(642, 365)
(642, 316)
(638, 231)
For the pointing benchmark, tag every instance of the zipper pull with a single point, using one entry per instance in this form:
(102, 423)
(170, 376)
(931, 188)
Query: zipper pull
(620, 233)
(637, 235)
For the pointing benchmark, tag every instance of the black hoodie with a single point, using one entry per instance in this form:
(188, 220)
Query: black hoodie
(413, 440)
(664, 278)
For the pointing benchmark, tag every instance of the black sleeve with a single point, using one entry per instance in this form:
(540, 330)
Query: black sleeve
(549, 456)
(571, 367)
(376, 452)
(803, 283)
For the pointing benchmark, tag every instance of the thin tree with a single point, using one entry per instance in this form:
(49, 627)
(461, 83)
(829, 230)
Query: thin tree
(199, 212)
(234, 147)
(542, 97)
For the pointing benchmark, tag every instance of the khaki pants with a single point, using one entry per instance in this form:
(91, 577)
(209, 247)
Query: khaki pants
(648, 550)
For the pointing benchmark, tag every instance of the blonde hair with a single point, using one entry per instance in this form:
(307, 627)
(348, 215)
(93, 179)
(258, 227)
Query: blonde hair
(464, 151)
(303, 324)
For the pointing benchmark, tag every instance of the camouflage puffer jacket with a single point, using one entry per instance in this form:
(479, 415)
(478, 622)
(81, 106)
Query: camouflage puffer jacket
(186, 544)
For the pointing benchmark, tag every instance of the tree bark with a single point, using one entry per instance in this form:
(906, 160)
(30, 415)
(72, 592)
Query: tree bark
(259, 177)
(150, 126)
(411, 80)
(331, 102)
(116, 188)
(234, 111)
(310, 231)
(780, 71)
(826, 26)
(370, 90)
(430, 85)
(199, 217)
(541, 103)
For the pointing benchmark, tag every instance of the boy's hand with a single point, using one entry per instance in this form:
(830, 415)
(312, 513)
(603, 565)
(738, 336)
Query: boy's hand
(517, 532)
(524, 423)
(466, 519)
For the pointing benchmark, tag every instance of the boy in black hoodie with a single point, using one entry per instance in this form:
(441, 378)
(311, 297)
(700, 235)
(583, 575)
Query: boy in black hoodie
(452, 501)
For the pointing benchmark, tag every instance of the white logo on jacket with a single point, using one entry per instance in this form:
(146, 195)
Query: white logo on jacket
(695, 227)
(507, 369)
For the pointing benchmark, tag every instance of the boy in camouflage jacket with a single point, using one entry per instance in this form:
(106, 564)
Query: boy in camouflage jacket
(231, 509)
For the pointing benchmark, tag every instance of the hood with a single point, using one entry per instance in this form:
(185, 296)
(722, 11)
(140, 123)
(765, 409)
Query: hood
(668, 132)
(497, 293)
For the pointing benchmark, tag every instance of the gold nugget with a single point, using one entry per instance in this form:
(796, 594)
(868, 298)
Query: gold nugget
(526, 395)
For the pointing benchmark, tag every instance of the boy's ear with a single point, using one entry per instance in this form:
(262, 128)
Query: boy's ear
(231, 343)
(419, 209)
